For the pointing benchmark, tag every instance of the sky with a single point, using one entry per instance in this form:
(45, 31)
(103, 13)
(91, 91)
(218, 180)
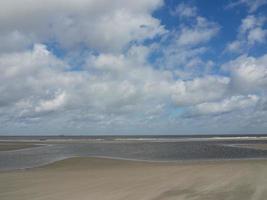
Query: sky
(133, 67)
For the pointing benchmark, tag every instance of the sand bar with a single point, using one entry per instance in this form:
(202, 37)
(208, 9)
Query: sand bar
(8, 146)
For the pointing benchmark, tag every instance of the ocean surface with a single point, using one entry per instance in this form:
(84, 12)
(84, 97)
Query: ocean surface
(133, 148)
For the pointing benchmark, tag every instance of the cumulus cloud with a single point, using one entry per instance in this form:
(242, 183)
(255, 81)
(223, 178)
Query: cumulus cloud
(200, 90)
(187, 45)
(252, 26)
(95, 22)
(233, 103)
(251, 32)
(201, 32)
(251, 22)
(257, 35)
(51, 94)
(47, 85)
(21, 72)
(105, 66)
(99, 94)
(248, 74)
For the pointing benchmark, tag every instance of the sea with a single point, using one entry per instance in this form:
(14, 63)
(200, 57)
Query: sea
(143, 148)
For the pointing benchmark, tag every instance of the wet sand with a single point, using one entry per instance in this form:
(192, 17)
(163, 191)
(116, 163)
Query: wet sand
(108, 179)
(253, 146)
(8, 146)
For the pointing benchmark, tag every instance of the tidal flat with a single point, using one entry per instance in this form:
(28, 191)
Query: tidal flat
(143, 169)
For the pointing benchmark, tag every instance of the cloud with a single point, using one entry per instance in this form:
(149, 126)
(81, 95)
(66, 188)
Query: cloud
(201, 32)
(257, 35)
(233, 103)
(235, 46)
(111, 90)
(250, 33)
(184, 10)
(14, 41)
(200, 90)
(20, 73)
(185, 48)
(248, 74)
(51, 105)
(113, 66)
(96, 22)
(101, 96)
(252, 5)
(48, 89)
(251, 22)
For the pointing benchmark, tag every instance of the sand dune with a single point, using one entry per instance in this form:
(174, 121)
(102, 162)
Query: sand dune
(107, 179)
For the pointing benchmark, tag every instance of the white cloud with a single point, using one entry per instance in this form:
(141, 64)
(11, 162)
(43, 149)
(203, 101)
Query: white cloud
(251, 29)
(250, 33)
(100, 98)
(51, 105)
(46, 85)
(248, 74)
(101, 94)
(106, 78)
(257, 35)
(251, 22)
(202, 32)
(252, 5)
(27, 73)
(184, 10)
(233, 103)
(200, 90)
(186, 46)
(235, 46)
(95, 22)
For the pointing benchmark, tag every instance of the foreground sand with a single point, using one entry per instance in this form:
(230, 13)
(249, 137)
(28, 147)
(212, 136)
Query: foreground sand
(107, 179)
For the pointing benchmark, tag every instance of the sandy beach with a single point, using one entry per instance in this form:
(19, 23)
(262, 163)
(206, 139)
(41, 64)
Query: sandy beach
(108, 179)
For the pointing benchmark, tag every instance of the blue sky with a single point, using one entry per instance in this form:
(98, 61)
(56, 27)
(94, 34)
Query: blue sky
(133, 67)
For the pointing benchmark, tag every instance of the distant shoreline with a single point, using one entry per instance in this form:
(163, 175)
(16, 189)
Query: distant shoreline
(148, 138)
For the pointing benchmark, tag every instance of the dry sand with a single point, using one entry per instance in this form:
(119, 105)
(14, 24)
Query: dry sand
(107, 179)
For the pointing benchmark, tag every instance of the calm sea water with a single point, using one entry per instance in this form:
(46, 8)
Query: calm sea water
(149, 148)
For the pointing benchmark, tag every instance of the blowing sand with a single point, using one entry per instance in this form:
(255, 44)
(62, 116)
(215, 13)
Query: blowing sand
(107, 179)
